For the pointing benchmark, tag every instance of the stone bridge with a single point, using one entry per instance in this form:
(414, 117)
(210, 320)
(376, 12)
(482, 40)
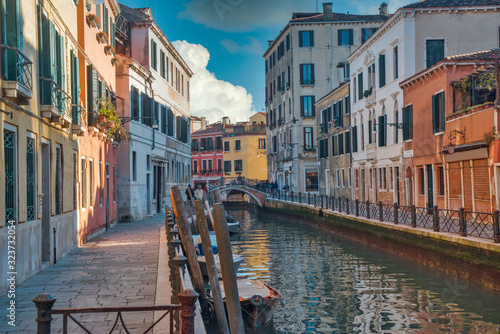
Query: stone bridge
(256, 195)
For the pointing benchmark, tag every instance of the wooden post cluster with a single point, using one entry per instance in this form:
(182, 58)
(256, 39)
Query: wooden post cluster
(413, 216)
(496, 227)
(435, 214)
(357, 207)
(381, 211)
(396, 218)
(368, 209)
(463, 222)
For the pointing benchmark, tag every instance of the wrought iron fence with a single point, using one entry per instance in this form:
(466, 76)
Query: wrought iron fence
(52, 94)
(17, 67)
(478, 224)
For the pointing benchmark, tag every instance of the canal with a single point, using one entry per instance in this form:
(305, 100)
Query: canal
(331, 284)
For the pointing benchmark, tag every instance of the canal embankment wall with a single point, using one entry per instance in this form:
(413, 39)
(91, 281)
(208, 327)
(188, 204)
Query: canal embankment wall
(472, 258)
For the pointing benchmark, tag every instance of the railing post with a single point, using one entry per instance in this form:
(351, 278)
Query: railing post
(367, 209)
(396, 218)
(340, 204)
(436, 218)
(308, 198)
(292, 195)
(463, 223)
(413, 216)
(357, 207)
(315, 200)
(279, 195)
(380, 211)
(321, 201)
(187, 298)
(347, 205)
(300, 197)
(44, 303)
(333, 203)
(496, 227)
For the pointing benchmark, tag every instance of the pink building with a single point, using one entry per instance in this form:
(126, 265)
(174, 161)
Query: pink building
(207, 155)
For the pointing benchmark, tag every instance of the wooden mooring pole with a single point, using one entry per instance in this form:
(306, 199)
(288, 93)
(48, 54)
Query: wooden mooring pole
(188, 245)
(228, 273)
(211, 268)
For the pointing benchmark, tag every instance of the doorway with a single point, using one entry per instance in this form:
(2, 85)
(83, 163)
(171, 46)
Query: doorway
(430, 188)
(327, 182)
(148, 197)
(107, 198)
(159, 195)
(46, 205)
(363, 185)
(398, 194)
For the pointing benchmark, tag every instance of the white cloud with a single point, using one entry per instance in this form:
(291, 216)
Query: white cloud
(211, 97)
(253, 47)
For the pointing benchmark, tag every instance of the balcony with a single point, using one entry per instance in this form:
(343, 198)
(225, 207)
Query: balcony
(78, 113)
(371, 151)
(102, 37)
(109, 49)
(307, 82)
(92, 20)
(370, 97)
(17, 73)
(55, 103)
(309, 148)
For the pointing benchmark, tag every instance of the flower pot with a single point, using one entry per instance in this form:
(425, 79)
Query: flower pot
(102, 118)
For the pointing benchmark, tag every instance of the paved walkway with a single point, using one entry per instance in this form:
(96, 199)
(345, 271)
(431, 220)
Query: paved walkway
(118, 268)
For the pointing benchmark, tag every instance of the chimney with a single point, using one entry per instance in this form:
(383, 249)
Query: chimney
(327, 11)
(226, 120)
(203, 123)
(382, 10)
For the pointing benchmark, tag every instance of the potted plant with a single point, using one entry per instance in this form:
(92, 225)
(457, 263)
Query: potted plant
(112, 124)
(109, 49)
(102, 37)
(92, 20)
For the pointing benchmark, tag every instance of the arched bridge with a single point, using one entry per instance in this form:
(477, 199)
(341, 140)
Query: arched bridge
(247, 186)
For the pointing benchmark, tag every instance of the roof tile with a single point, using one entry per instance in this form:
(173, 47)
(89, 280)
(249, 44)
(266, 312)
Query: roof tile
(452, 3)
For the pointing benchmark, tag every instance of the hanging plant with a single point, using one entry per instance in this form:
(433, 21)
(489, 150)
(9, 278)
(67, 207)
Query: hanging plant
(113, 123)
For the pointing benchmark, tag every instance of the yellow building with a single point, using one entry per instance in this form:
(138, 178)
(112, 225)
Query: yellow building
(245, 149)
(38, 149)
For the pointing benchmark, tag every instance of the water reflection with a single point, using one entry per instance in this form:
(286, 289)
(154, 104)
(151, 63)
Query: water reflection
(333, 285)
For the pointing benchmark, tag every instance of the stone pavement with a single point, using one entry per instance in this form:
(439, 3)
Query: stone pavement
(117, 268)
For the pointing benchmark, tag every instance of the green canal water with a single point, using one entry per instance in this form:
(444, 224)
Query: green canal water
(335, 285)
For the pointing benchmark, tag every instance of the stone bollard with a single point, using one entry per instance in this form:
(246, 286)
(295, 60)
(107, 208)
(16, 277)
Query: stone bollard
(357, 207)
(496, 227)
(44, 303)
(187, 299)
(413, 216)
(396, 218)
(315, 203)
(308, 198)
(347, 205)
(367, 209)
(435, 214)
(381, 211)
(463, 222)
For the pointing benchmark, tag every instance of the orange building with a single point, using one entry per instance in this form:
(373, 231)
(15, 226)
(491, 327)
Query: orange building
(97, 73)
(450, 128)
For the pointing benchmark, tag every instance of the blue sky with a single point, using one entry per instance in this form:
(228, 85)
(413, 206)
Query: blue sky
(235, 34)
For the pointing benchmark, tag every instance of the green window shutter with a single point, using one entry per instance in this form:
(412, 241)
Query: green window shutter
(435, 113)
(355, 139)
(360, 86)
(405, 124)
(88, 5)
(113, 31)
(90, 96)
(341, 144)
(381, 70)
(442, 117)
(351, 39)
(62, 63)
(52, 50)
(370, 134)
(98, 13)
(105, 20)
(348, 142)
(334, 147)
(410, 120)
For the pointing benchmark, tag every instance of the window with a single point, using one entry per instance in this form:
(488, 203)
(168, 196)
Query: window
(306, 38)
(219, 166)
(134, 166)
(381, 70)
(162, 64)
(164, 119)
(343, 178)
(434, 51)
(195, 166)
(288, 42)
(408, 122)
(262, 143)
(170, 122)
(354, 139)
(382, 131)
(210, 165)
(348, 142)
(10, 154)
(226, 146)
(311, 180)
(421, 183)
(307, 74)
(308, 139)
(334, 146)
(227, 166)
(347, 105)
(354, 88)
(341, 144)
(203, 166)
(31, 179)
(356, 178)
(101, 184)
(337, 172)
(237, 146)
(59, 180)
(371, 178)
(154, 60)
(441, 181)
(238, 165)
(343, 72)
(395, 62)
(360, 86)
(218, 141)
(91, 182)
(345, 36)
(391, 173)
(307, 108)
(84, 183)
(384, 178)
(438, 113)
(367, 33)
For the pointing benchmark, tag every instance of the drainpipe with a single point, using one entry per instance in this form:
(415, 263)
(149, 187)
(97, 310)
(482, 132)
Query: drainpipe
(55, 249)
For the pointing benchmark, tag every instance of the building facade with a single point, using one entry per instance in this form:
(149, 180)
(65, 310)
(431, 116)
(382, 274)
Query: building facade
(39, 149)
(153, 97)
(206, 155)
(307, 60)
(416, 37)
(96, 67)
(245, 149)
(454, 121)
(334, 143)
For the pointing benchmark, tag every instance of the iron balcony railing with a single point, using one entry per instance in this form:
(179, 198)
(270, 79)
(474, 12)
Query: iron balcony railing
(16, 66)
(51, 94)
(77, 114)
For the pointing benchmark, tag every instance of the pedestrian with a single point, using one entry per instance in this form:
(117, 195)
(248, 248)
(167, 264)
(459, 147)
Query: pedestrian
(189, 192)
(199, 193)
